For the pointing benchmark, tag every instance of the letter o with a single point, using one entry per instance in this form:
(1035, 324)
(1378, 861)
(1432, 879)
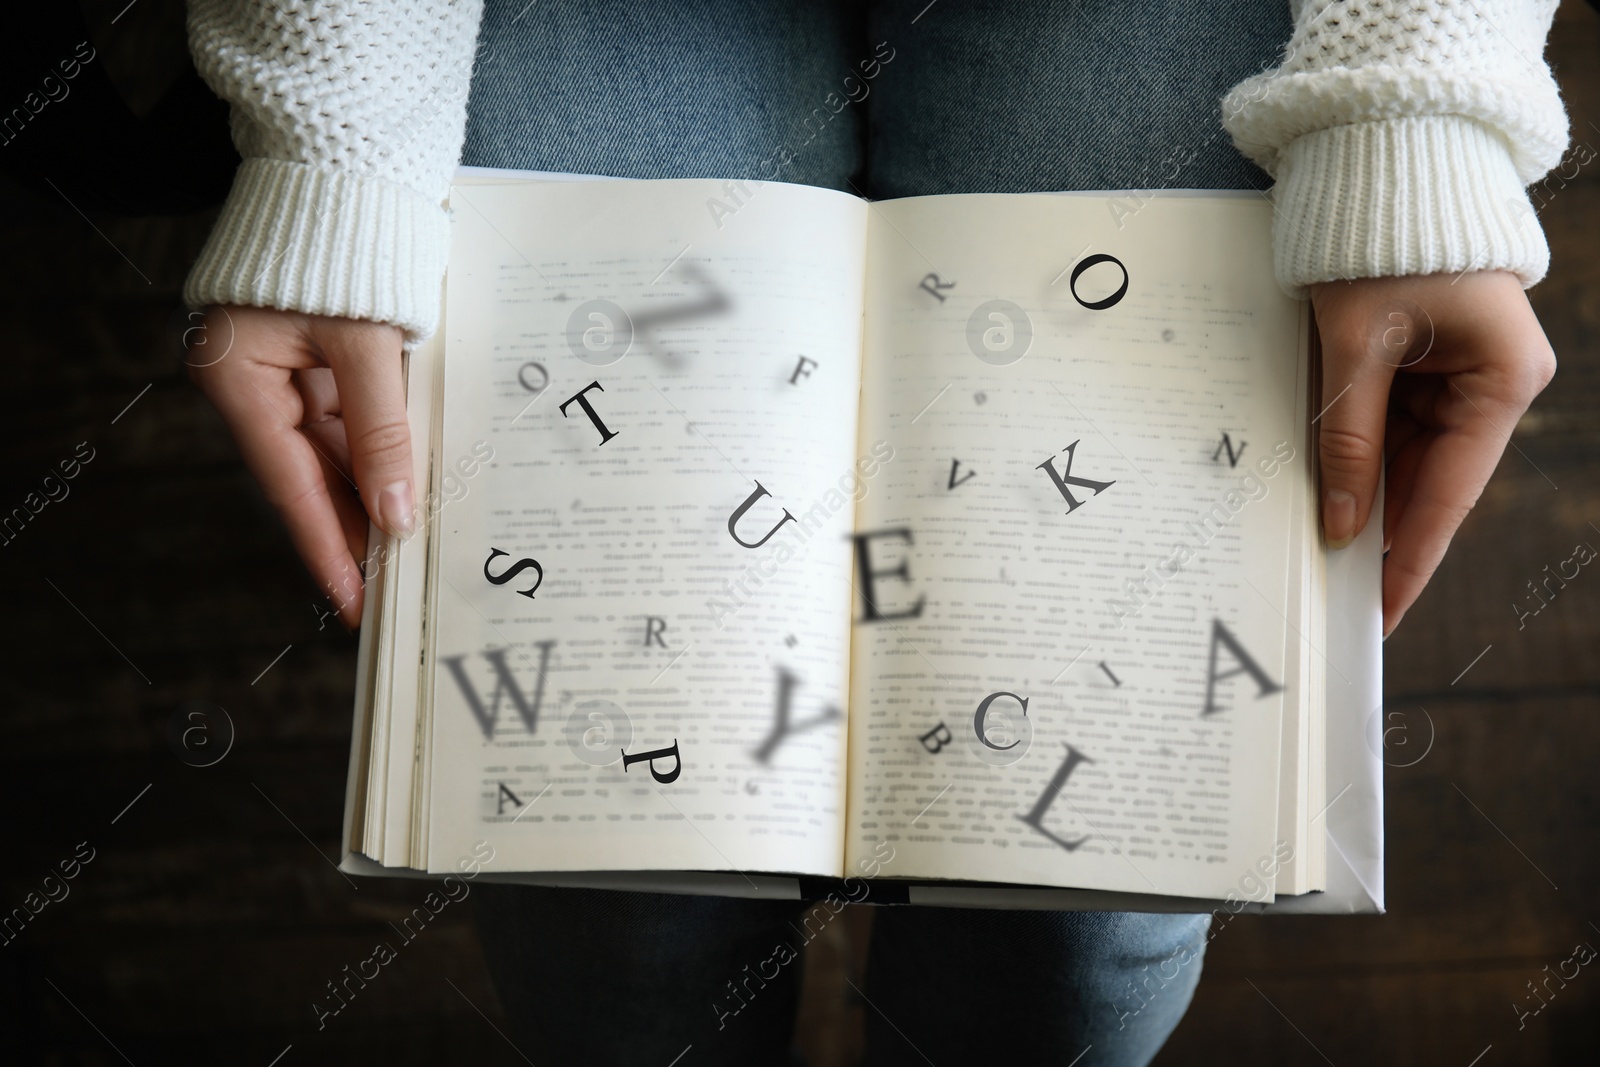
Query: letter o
(1090, 261)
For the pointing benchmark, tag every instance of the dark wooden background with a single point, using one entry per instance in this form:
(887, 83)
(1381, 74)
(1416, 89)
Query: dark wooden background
(211, 914)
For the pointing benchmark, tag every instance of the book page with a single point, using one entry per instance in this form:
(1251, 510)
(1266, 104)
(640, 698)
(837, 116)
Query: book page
(641, 613)
(1073, 668)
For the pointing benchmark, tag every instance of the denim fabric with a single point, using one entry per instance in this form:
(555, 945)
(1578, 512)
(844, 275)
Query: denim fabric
(1018, 96)
(978, 95)
(682, 89)
(599, 977)
(960, 986)
(974, 96)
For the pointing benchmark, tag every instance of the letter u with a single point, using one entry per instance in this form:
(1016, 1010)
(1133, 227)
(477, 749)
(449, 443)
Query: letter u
(738, 514)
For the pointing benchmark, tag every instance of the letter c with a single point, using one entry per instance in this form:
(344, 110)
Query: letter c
(983, 711)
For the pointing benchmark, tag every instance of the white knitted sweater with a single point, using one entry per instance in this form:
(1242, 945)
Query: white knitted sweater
(1401, 134)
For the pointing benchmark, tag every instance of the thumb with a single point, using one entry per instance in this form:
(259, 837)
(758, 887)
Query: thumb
(366, 363)
(1357, 371)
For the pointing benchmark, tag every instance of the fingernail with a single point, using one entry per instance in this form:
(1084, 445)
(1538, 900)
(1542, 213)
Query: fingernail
(395, 509)
(1338, 518)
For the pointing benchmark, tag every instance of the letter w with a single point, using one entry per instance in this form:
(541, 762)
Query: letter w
(505, 681)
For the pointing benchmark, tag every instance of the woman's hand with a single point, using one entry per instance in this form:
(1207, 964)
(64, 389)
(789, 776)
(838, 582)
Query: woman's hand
(1433, 373)
(317, 406)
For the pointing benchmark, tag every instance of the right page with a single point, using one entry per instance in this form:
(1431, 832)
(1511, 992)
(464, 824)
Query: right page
(1073, 657)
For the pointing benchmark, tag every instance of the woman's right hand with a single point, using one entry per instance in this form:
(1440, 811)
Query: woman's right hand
(317, 406)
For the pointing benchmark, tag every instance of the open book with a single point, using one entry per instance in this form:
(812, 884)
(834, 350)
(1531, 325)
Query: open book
(772, 536)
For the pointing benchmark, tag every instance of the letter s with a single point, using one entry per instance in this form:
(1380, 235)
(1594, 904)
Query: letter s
(514, 570)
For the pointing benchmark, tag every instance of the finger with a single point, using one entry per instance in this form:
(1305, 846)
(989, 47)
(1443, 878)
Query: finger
(328, 435)
(357, 528)
(1406, 444)
(365, 358)
(1450, 473)
(353, 520)
(1405, 439)
(260, 406)
(1468, 418)
(1355, 390)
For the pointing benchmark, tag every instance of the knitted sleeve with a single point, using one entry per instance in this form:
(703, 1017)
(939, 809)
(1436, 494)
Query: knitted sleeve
(350, 118)
(1401, 134)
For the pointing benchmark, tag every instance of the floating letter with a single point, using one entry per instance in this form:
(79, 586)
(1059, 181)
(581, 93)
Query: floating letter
(660, 753)
(800, 370)
(931, 284)
(780, 725)
(983, 711)
(1220, 635)
(738, 514)
(588, 409)
(512, 571)
(1084, 264)
(1233, 457)
(654, 627)
(1035, 818)
(1061, 480)
(942, 741)
(504, 681)
(902, 572)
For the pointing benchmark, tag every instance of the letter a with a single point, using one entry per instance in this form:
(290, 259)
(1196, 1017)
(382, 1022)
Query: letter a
(1061, 480)
(738, 514)
(1220, 634)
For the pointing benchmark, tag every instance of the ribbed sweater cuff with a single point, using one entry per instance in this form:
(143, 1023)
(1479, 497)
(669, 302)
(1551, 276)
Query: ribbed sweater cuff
(325, 243)
(1402, 196)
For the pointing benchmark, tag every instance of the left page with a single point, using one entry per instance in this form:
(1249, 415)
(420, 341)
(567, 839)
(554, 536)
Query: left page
(640, 609)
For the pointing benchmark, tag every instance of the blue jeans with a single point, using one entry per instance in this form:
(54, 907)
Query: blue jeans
(882, 99)
(600, 977)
